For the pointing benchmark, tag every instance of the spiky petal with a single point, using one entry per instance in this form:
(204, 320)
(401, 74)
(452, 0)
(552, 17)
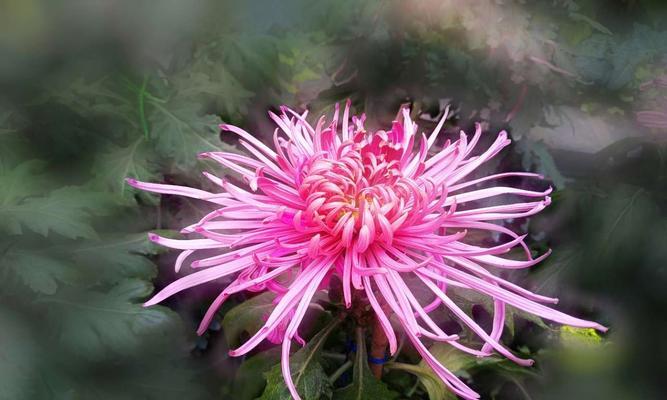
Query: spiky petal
(373, 208)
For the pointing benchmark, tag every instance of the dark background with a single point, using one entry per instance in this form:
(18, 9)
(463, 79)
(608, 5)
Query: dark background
(95, 91)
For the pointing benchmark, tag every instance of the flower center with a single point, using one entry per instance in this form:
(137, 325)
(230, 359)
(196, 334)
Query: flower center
(357, 198)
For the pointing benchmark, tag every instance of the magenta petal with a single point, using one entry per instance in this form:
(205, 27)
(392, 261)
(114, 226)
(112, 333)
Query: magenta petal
(375, 208)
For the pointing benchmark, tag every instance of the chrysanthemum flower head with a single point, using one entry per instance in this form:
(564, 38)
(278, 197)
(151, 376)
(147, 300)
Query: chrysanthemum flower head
(374, 208)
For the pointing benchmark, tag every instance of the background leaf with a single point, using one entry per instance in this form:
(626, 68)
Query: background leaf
(307, 373)
(247, 317)
(66, 211)
(108, 321)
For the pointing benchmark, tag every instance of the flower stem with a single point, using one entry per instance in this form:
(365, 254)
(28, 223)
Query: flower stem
(340, 371)
(379, 343)
(334, 356)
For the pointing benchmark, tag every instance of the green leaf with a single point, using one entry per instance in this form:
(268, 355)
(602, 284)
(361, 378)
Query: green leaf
(308, 375)
(21, 181)
(642, 45)
(550, 273)
(427, 379)
(579, 337)
(38, 271)
(460, 363)
(536, 157)
(457, 362)
(66, 211)
(603, 60)
(134, 161)
(364, 385)
(466, 299)
(95, 324)
(181, 132)
(249, 382)
(592, 58)
(252, 58)
(109, 260)
(213, 81)
(13, 144)
(247, 317)
(583, 350)
(115, 257)
(18, 358)
(512, 312)
(97, 98)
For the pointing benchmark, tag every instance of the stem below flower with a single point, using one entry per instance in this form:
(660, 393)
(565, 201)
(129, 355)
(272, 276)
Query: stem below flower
(379, 343)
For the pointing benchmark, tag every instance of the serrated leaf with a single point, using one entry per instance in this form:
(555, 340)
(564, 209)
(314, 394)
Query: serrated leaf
(364, 385)
(67, 211)
(601, 59)
(134, 161)
(308, 376)
(214, 81)
(313, 384)
(181, 132)
(41, 273)
(249, 382)
(115, 257)
(252, 58)
(248, 317)
(95, 324)
(643, 44)
(96, 98)
(24, 180)
(592, 58)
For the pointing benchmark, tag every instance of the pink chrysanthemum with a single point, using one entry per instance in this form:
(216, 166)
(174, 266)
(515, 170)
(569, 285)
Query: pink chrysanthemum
(370, 208)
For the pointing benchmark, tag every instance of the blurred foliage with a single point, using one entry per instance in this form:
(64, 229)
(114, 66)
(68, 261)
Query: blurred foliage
(97, 91)
(308, 373)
